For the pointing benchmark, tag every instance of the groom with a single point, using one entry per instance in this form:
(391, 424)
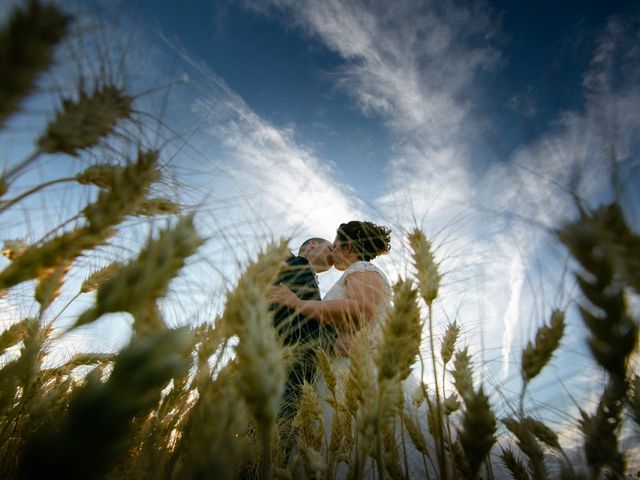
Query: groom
(297, 331)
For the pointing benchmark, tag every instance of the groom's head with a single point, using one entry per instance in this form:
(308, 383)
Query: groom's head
(318, 252)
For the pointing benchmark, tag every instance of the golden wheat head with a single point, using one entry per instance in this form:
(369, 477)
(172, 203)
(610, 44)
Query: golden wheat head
(26, 50)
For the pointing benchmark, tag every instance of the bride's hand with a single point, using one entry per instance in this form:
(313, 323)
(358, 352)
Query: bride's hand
(281, 294)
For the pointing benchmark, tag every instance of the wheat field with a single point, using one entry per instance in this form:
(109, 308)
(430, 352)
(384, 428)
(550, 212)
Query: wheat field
(191, 400)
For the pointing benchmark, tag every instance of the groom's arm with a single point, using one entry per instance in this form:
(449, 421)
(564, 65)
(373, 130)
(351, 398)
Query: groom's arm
(364, 294)
(293, 326)
(299, 277)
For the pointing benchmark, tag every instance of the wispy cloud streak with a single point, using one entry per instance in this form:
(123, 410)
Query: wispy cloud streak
(419, 67)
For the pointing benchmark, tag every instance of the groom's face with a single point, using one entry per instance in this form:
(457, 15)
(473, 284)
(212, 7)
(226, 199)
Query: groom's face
(320, 255)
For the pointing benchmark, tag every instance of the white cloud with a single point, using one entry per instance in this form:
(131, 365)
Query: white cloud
(511, 315)
(286, 184)
(407, 61)
(417, 66)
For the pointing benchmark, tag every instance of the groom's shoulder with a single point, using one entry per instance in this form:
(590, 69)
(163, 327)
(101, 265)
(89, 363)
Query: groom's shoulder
(298, 270)
(298, 266)
(295, 260)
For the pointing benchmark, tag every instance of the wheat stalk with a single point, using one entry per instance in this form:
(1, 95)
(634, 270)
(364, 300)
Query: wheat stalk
(80, 124)
(86, 358)
(6, 204)
(596, 242)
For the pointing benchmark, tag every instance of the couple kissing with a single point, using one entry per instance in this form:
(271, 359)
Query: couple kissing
(305, 322)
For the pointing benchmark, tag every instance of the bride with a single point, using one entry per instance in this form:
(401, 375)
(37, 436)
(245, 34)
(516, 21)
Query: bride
(359, 300)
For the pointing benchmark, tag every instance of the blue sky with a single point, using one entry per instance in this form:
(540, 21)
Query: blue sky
(469, 119)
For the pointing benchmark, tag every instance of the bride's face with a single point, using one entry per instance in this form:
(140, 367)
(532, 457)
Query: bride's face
(342, 254)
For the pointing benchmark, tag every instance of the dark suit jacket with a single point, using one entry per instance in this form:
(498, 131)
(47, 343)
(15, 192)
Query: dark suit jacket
(293, 327)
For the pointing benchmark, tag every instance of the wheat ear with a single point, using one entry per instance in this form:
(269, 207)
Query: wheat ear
(428, 278)
(478, 430)
(361, 399)
(14, 334)
(157, 206)
(12, 249)
(22, 371)
(308, 421)
(537, 354)
(214, 433)
(601, 431)
(100, 175)
(530, 446)
(633, 400)
(621, 244)
(258, 352)
(93, 434)
(125, 195)
(26, 50)
(402, 334)
(139, 284)
(108, 211)
(97, 278)
(39, 261)
(449, 340)
(427, 273)
(514, 465)
(49, 288)
(462, 374)
(613, 333)
(81, 123)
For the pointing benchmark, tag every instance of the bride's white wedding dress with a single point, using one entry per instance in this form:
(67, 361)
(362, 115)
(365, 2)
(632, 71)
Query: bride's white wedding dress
(341, 365)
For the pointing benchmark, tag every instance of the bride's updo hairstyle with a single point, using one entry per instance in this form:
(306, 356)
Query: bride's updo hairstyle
(368, 239)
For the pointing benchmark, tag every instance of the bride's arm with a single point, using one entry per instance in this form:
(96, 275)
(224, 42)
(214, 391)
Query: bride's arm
(364, 294)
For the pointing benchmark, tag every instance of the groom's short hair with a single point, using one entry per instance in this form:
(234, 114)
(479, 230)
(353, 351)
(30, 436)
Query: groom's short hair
(307, 242)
